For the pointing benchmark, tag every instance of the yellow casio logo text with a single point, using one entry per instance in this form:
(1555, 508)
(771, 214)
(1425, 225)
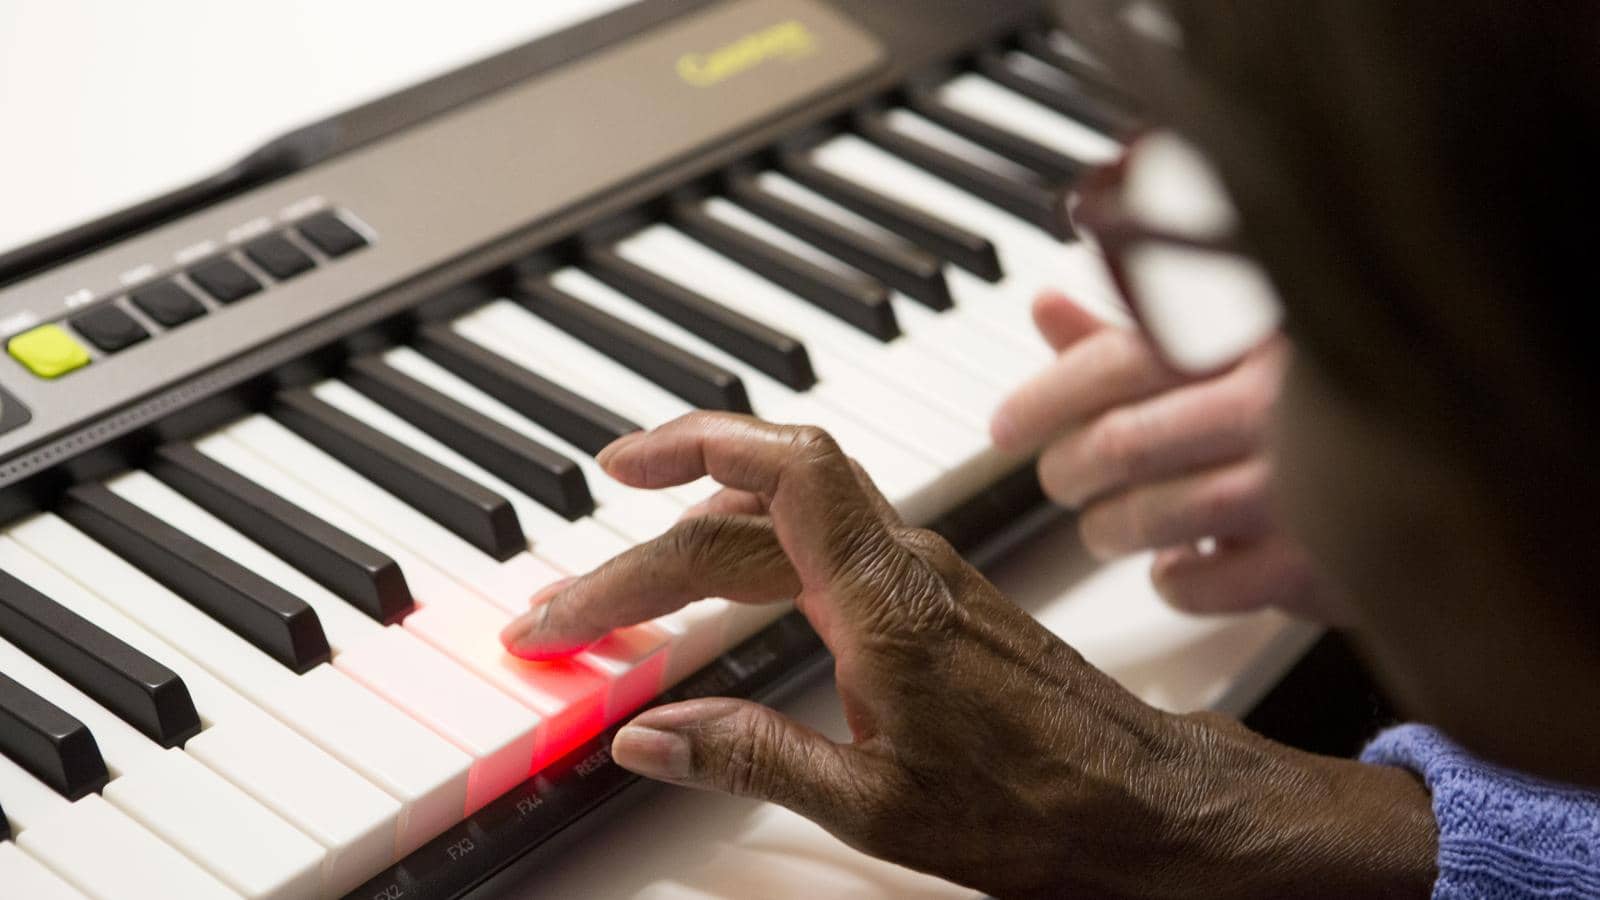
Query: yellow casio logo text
(787, 41)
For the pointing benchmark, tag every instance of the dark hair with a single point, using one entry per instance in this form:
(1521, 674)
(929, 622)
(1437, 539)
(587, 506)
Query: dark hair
(1411, 174)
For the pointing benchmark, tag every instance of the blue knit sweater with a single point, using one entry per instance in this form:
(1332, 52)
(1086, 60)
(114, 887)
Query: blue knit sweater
(1500, 834)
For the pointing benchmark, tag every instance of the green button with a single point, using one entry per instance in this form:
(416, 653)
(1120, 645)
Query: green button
(48, 351)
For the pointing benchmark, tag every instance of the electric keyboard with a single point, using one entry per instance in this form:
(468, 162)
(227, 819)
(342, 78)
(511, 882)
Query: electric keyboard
(282, 452)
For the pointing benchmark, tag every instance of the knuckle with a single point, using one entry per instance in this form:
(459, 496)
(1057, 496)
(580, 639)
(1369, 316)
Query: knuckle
(748, 762)
(925, 543)
(935, 551)
(1102, 527)
(1066, 470)
(1120, 443)
(812, 443)
(1110, 351)
(1218, 507)
(698, 542)
(1048, 471)
(1232, 503)
(1126, 356)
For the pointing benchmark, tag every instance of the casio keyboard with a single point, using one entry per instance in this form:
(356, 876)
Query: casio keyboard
(281, 452)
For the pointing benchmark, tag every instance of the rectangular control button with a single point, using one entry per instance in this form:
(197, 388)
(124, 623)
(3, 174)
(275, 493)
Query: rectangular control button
(167, 303)
(109, 328)
(224, 279)
(279, 258)
(48, 351)
(331, 235)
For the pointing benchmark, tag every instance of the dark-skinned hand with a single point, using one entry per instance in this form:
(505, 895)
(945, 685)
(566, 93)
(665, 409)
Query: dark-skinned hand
(985, 750)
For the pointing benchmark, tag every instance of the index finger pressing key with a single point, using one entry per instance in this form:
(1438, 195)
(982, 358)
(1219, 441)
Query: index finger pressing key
(823, 518)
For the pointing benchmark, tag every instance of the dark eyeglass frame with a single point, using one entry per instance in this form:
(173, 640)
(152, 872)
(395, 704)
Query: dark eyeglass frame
(1101, 212)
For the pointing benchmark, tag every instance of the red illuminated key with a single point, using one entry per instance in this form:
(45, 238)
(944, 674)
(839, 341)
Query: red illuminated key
(570, 696)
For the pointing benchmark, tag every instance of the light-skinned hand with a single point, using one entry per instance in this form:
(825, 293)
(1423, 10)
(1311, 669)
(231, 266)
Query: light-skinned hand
(1155, 461)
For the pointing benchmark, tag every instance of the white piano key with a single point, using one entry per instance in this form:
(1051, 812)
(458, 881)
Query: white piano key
(29, 802)
(840, 355)
(342, 623)
(192, 808)
(461, 624)
(637, 514)
(574, 699)
(516, 334)
(348, 816)
(574, 547)
(283, 771)
(511, 582)
(697, 633)
(984, 99)
(96, 847)
(765, 393)
(422, 771)
(25, 877)
(633, 662)
(967, 461)
(425, 580)
(745, 619)
(911, 361)
(497, 733)
(576, 696)
(968, 332)
(540, 347)
(910, 482)
(1032, 259)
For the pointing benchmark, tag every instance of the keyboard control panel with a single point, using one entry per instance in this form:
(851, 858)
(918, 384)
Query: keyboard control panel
(436, 193)
(251, 261)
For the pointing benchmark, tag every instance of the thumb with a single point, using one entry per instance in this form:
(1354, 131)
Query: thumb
(743, 749)
(1063, 322)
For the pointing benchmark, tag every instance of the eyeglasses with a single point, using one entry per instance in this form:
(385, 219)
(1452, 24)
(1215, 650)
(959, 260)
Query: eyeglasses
(1168, 232)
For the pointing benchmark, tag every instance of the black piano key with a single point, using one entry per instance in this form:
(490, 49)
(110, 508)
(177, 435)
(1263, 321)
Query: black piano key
(973, 252)
(575, 419)
(139, 690)
(1093, 80)
(47, 741)
(476, 514)
(277, 622)
(908, 269)
(701, 383)
(861, 303)
(1021, 150)
(1073, 102)
(361, 575)
(777, 354)
(1034, 203)
(522, 462)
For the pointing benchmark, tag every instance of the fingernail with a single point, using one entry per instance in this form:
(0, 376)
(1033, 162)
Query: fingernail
(514, 636)
(519, 636)
(651, 753)
(612, 449)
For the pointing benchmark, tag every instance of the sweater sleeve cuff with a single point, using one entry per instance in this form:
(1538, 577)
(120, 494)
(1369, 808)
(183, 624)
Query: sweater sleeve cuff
(1500, 834)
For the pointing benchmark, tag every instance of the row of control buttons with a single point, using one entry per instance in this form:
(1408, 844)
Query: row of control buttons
(51, 351)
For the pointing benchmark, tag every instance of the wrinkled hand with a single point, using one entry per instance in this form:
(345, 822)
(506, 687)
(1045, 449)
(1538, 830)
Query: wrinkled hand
(984, 749)
(1154, 461)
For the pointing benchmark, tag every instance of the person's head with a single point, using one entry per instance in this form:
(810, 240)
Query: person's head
(1410, 174)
